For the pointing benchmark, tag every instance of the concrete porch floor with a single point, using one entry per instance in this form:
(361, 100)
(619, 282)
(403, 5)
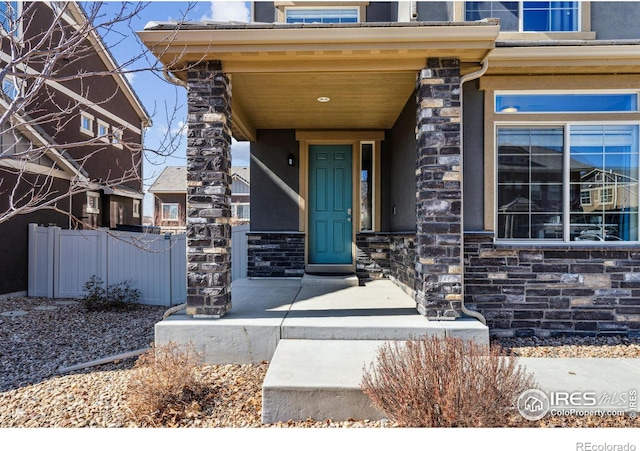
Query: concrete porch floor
(317, 334)
(264, 311)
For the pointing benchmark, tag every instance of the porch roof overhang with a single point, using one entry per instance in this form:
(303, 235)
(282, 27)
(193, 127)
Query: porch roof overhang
(565, 57)
(278, 71)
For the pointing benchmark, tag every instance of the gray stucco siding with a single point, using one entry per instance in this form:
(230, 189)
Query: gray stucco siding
(273, 207)
(615, 20)
(402, 170)
(473, 156)
(434, 11)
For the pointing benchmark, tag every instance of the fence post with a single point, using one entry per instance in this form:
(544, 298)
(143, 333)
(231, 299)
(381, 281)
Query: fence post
(103, 256)
(33, 256)
(172, 242)
(53, 265)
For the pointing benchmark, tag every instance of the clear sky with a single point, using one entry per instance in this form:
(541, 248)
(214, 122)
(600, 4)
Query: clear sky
(161, 99)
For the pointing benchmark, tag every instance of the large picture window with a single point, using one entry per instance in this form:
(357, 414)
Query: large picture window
(570, 182)
(527, 16)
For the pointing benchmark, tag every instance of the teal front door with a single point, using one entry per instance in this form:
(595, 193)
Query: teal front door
(330, 205)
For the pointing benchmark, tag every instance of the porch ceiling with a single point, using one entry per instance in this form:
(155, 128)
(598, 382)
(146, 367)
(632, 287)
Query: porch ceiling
(279, 71)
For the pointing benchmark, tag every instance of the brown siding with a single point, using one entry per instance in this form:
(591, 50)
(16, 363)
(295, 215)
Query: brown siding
(14, 250)
(170, 198)
(110, 163)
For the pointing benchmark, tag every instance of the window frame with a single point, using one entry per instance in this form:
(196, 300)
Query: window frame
(116, 137)
(235, 207)
(136, 208)
(10, 82)
(18, 13)
(375, 187)
(566, 212)
(579, 22)
(91, 118)
(322, 8)
(104, 137)
(96, 196)
(282, 6)
(542, 92)
(170, 204)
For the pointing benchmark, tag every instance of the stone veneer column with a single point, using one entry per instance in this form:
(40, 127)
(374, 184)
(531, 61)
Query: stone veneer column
(439, 191)
(209, 191)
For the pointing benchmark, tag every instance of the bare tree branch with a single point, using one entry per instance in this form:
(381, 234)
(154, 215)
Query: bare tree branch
(50, 76)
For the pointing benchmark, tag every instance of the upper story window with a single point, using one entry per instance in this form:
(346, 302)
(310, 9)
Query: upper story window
(9, 88)
(322, 15)
(86, 123)
(527, 16)
(9, 17)
(116, 139)
(103, 131)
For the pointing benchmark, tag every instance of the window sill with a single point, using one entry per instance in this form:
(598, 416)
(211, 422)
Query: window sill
(547, 36)
(609, 245)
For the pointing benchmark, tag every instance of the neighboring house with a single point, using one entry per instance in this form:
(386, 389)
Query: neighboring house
(96, 183)
(448, 146)
(240, 194)
(170, 197)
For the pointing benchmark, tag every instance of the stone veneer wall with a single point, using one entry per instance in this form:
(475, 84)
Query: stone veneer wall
(387, 256)
(547, 291)
(402, 256)
(275, 254)
(372, 256)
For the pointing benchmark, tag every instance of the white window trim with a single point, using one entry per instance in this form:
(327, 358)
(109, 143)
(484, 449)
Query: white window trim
(565, 214)
(282, 9)
(84, 115)
(136, 208)
(90, 209)
(103, 137)
(116, 139)
(162, 212)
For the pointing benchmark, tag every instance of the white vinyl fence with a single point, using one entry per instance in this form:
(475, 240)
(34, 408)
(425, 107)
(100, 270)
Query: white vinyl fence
(239, 251)
(62, 261)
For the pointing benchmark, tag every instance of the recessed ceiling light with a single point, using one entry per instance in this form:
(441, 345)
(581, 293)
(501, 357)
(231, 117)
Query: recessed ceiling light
(323, 99)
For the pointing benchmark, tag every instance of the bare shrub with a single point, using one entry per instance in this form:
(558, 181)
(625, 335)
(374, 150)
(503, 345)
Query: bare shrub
(445, 382)
(165, 388)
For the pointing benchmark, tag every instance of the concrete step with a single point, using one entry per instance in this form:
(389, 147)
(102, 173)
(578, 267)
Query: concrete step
(378, 311)
(318, 379)
(333, 281)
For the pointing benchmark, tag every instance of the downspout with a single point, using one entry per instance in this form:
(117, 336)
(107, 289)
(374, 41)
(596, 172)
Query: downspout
(465, 78)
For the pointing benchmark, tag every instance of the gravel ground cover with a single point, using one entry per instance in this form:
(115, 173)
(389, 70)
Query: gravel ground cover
(54, 334)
